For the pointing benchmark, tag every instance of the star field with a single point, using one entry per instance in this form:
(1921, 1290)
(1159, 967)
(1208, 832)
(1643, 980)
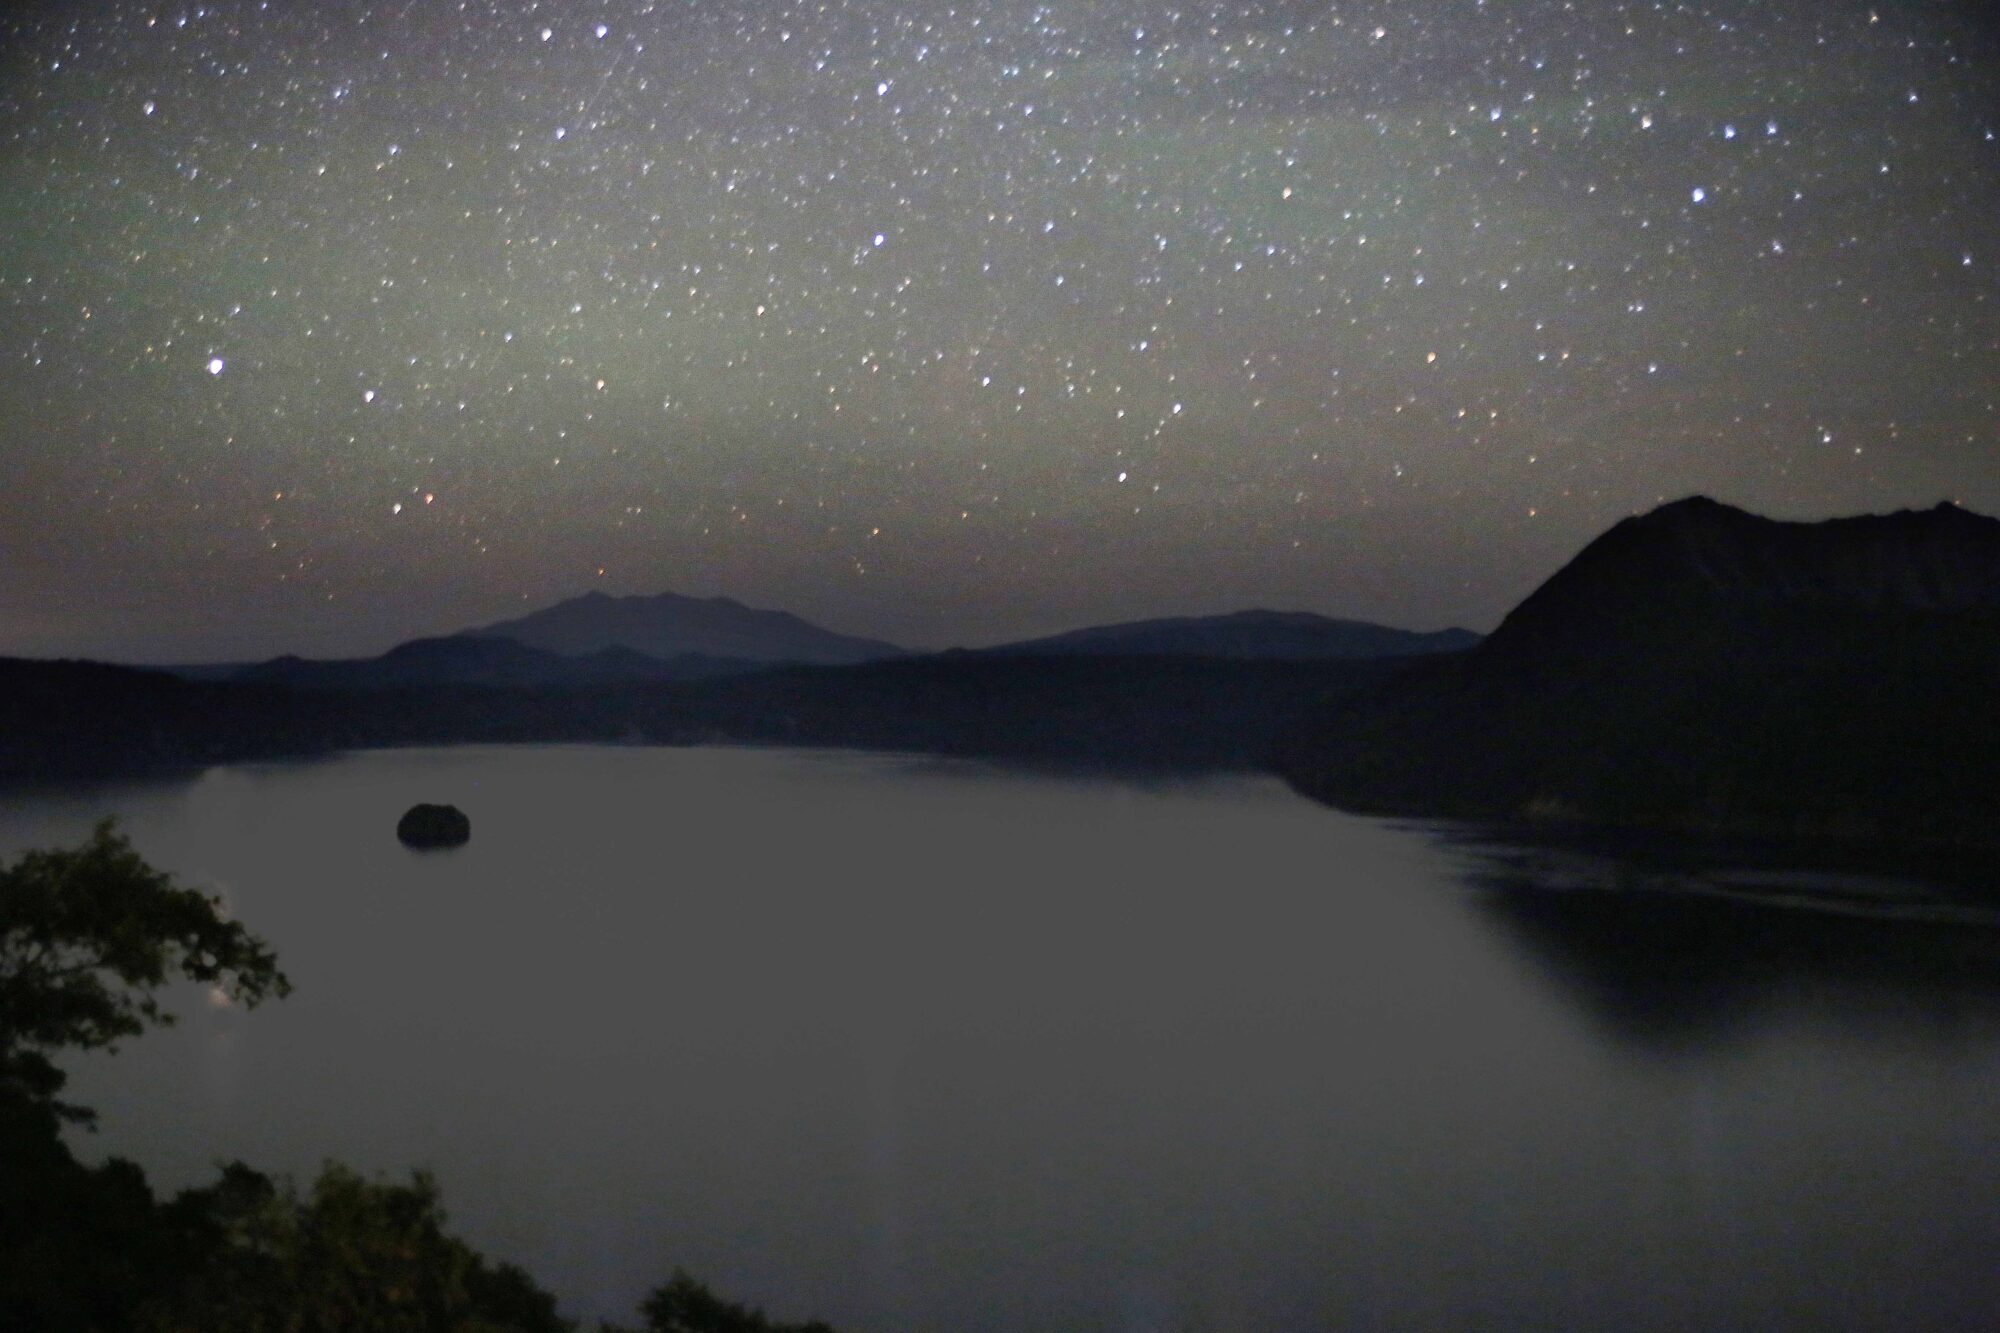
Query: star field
(326, 325)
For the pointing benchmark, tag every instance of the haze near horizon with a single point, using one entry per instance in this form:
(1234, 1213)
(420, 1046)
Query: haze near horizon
(330, 326)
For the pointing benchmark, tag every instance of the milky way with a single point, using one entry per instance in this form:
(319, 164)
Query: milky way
(325, 325)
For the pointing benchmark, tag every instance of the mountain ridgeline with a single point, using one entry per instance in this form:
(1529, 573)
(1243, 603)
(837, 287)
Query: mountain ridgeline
(587, 641)
(1699, 566)
(1197, 694)
(1702, 668)
(596, 640)
(1243, 635)
(669, 625)
(468, 660)
(1694, 668)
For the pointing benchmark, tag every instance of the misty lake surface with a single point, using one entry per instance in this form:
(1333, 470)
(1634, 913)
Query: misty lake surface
(914, 1045)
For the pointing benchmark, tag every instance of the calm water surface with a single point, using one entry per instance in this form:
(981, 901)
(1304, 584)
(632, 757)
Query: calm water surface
(912, 1046)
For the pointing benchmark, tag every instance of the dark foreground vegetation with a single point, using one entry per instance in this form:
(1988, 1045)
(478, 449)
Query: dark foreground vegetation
(88, 936)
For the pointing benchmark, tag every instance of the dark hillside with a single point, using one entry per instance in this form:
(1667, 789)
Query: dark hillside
(1702, 667)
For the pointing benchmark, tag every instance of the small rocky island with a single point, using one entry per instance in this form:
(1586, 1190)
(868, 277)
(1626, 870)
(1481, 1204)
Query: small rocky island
(428, 826)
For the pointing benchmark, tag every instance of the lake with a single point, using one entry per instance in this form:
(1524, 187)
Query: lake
(912, 1045)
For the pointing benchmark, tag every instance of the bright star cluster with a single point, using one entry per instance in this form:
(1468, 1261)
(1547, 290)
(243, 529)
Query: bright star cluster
(327, 324)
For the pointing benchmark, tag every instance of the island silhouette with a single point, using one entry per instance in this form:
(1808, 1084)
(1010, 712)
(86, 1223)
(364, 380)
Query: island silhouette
(1697, 667)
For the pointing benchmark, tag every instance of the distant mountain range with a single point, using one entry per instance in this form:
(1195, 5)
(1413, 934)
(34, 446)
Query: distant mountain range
(600, 640)
(1244, 635)
(1696, 668)
(460, 660)
(1702, 667)
(586, 641)
(668, 625)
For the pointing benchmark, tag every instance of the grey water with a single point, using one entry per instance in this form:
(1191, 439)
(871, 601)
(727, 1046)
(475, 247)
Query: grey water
(913, 1045)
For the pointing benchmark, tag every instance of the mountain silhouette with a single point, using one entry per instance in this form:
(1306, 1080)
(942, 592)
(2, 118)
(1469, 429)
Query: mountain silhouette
(1702, 667)
(1699, 566)
(1263, 635)
(1696, 668)
(455, 660)
(668, 625)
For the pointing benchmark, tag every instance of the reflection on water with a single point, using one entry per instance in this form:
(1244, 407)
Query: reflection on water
(1678, 947)
(912, 1047)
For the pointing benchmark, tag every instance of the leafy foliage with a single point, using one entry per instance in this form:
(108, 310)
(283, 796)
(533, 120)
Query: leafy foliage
(88, 936)
(81, 1248)
(684, 1305)
(352, 1254)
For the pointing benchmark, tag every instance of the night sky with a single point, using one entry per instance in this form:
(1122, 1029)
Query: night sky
(326, 325)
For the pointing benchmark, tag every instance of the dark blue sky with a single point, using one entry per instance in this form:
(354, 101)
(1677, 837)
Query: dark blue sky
(322, 326)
